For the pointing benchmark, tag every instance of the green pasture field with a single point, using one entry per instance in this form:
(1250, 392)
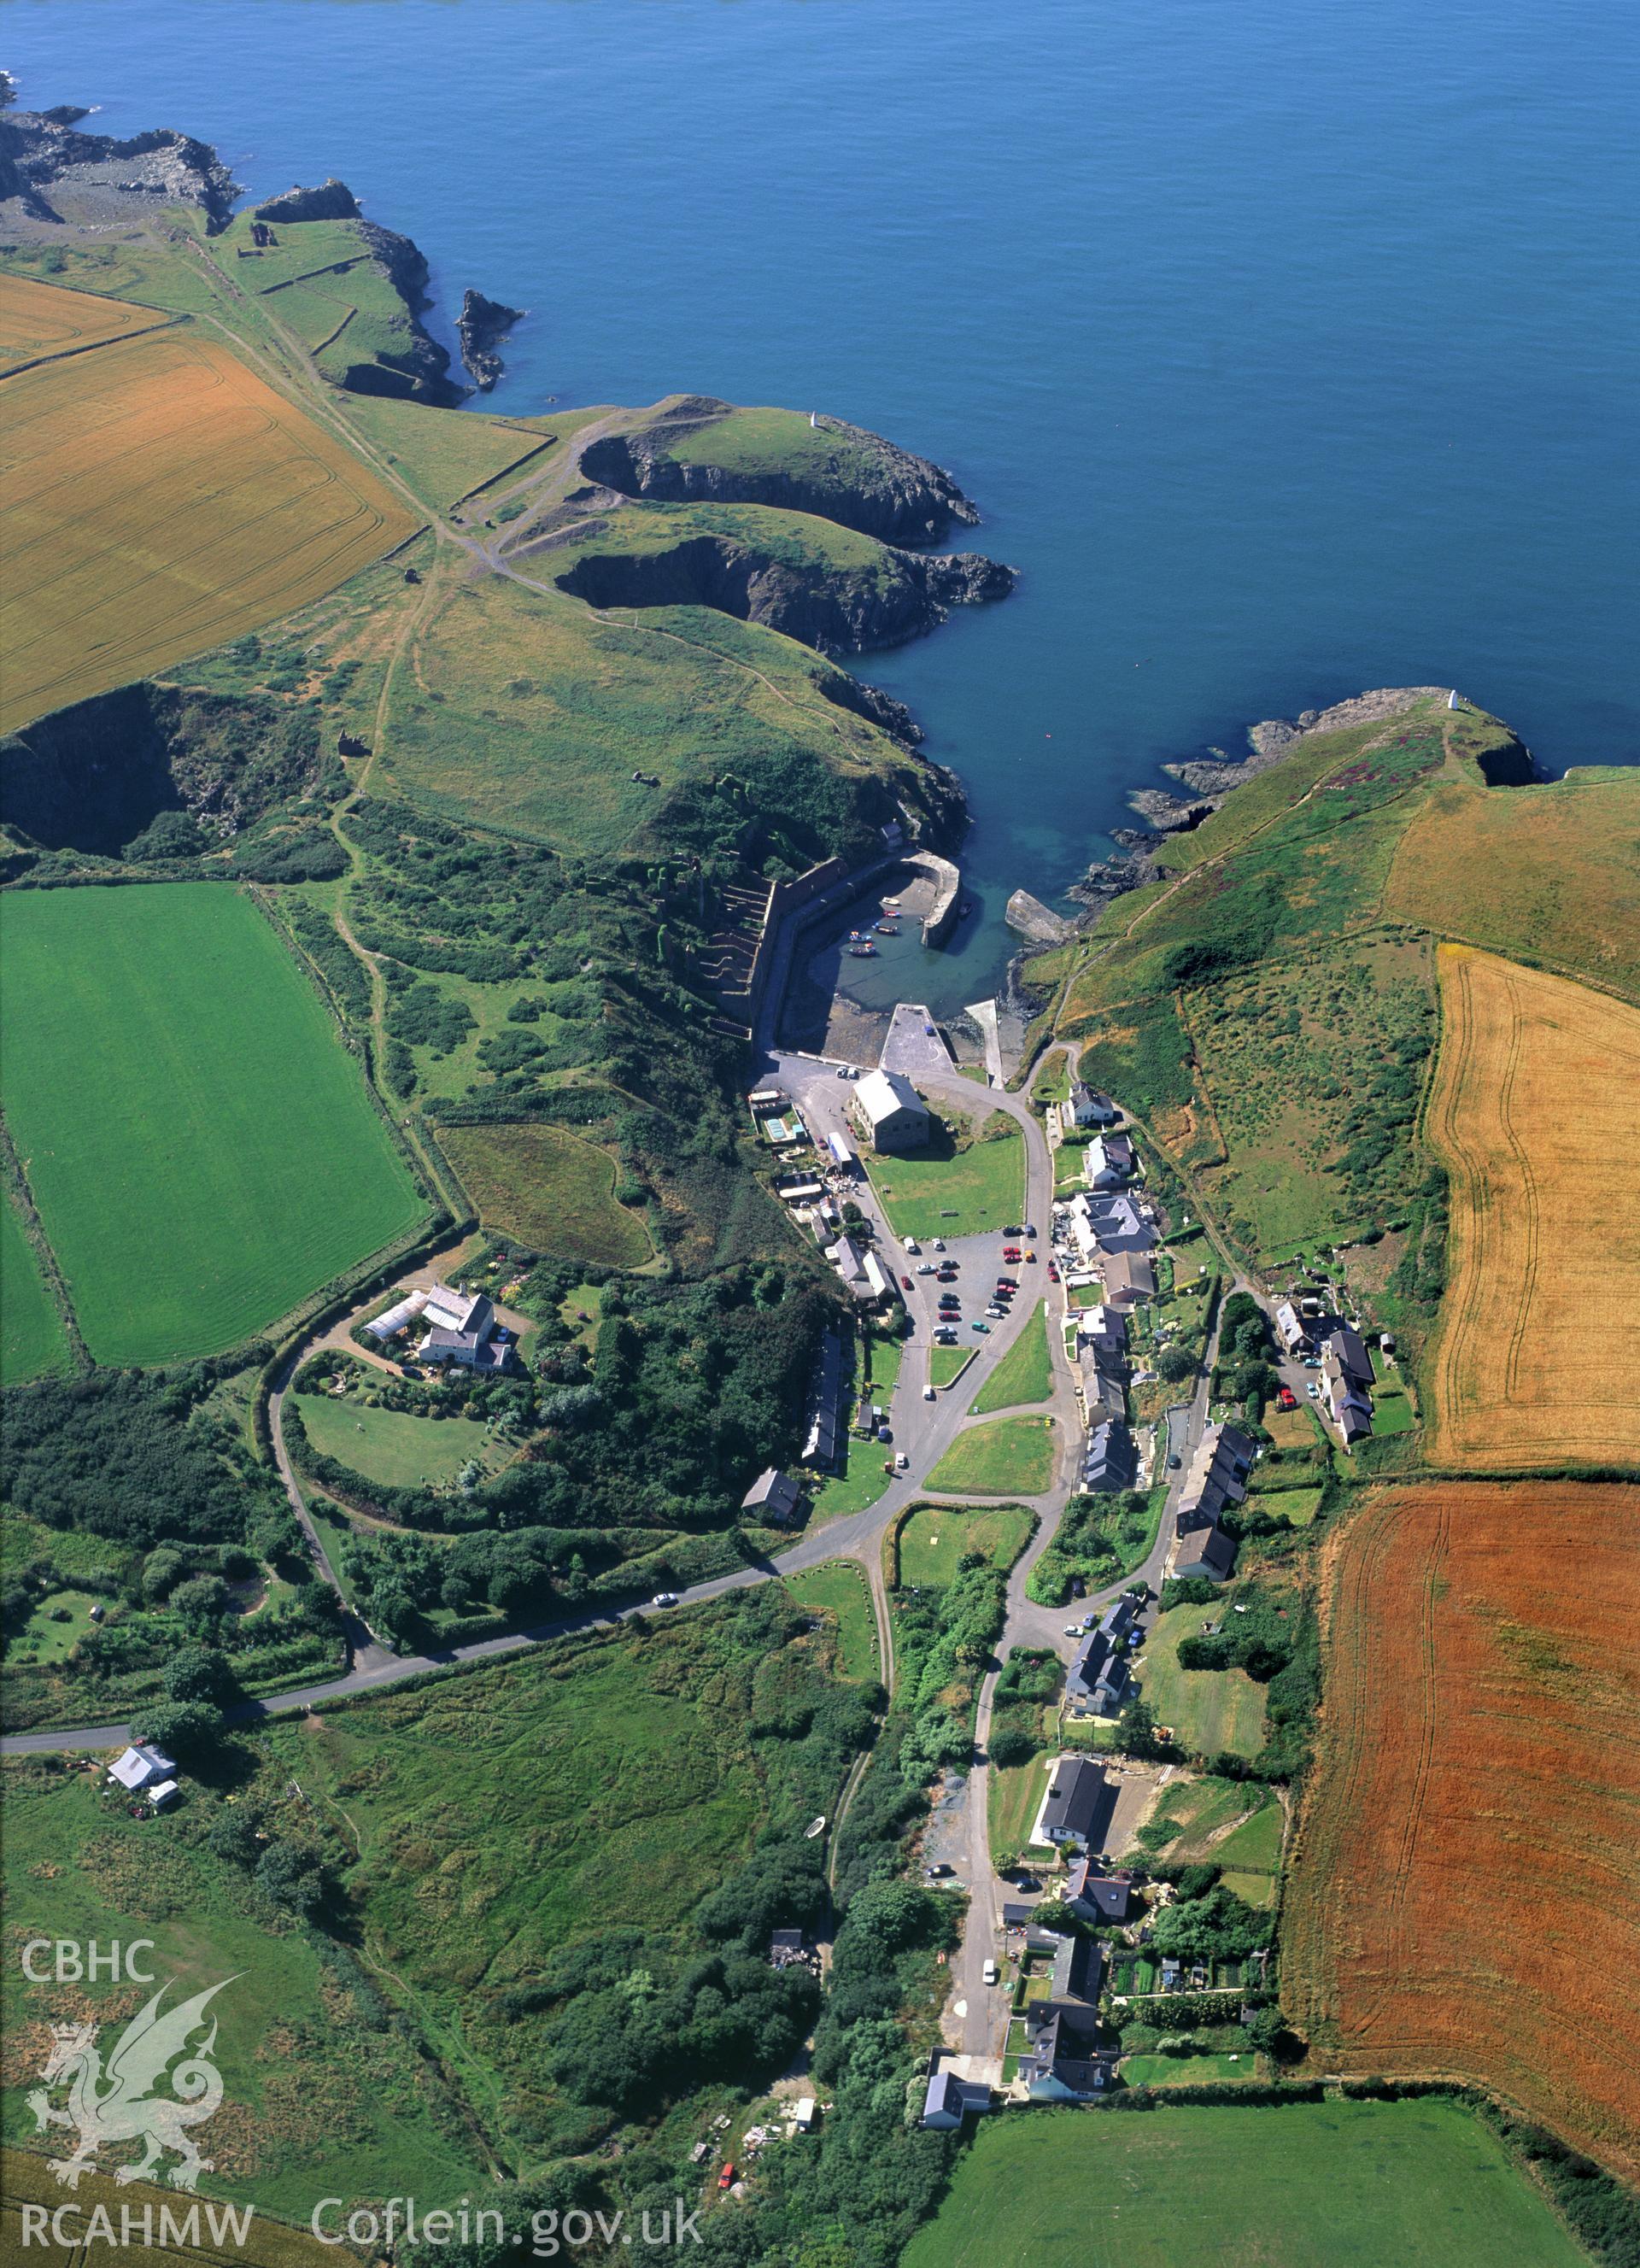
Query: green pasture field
(525, 711)
(1208, 1709)
(1026, 1372)
(390, 1446)
(790, 539)
(550, 1189)
(444, 454)
(946, 1364)
(309, 2077)
(839, 1588)
(946, 1191)
(199, 1145)
(33, 1341)
(1009, 1457)
(1297, 1505)
(935, 1537)
(1290, 2185)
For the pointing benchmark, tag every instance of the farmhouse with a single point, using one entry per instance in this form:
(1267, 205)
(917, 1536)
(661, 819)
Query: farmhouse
(1086, 1107)
(144, 1769)
(1077, 1807)
(1351, 1408)
(889, 1112)
(777, 1497)
(463, 1330)
(1344, 1347)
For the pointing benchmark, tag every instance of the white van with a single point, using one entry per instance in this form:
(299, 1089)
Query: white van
(990, 1972)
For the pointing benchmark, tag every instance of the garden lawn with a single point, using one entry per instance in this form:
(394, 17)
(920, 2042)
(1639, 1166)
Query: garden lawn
(1010, 1455)
(945, 1192)
(1024, 1372)
(935, 1537)
(839, 1588)
(863, 1480)
(200, 1146)
(1014, 1797)
(1208, 1709)
(1187, 2070)
(390, 1446)
(1294, 2185)
(32, 1342)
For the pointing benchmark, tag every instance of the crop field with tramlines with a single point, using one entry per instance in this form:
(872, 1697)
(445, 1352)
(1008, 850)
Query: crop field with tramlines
(1463, 1893)
(160, 499)
(1533, 1110)
(198, 1142)
(39, 320)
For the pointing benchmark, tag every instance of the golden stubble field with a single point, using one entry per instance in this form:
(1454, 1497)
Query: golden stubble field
(39, 320)
(161, 499)
(1534, 1110)
(1464, 1895)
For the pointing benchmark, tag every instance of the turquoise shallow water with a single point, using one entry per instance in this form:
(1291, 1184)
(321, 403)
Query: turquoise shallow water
(1288, 349)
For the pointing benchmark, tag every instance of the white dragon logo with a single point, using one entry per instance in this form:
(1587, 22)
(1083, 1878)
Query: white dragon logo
(126, 2110)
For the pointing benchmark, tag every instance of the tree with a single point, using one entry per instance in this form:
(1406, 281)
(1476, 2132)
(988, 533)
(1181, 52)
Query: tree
(185, 1729)
(199, 1673)
(1135, 1731)
(201, 1602)
(1176, 1363)
(162, 1572)
(291, 1878)
(1012, 1746)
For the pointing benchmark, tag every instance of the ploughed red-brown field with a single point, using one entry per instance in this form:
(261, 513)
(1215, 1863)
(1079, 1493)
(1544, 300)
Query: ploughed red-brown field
(1463, 1895)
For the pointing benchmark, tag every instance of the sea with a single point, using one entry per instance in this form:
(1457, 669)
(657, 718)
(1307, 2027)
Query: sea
(1288, 349)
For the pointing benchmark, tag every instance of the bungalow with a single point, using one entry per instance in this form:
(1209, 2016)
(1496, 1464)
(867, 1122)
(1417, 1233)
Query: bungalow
(139, 1769)
(1095, 1897)
(890, 1112)
(949, 2099)
(1110, 1161)
(1086, 1107)
(1077, 1809)
(777, 1497)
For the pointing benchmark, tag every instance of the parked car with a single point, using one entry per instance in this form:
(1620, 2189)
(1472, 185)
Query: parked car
(1073, 1630)
(903, 1464)
(1174, 1464)
(1314, 1391)
(912, 1245)
(1014, 1229)
(994, 1312)
(1053, 1273)
(940, 1244)
(929, 1393)
(727, 2174)
(884, 1433)
(938, 1872)
(1030, 1255)
(928, 1269)
(986, 1328)
(665, 1599)
(1029, 1229)
(990, 1972)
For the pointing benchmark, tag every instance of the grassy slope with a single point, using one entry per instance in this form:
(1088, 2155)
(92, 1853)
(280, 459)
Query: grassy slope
(1024, 1372)
(1009, 1455)
(983, 1186)
(199, 1145)
(548, 1188)
(1304, 2185)
(32, 1342)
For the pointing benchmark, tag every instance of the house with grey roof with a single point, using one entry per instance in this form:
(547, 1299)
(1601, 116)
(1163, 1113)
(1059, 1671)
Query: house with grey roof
(1097, 1896)
(1205, 1552)
(1086, 1107)
(948, 2099)
(774, 1498)
(1077, 1807)
(1110, 1464)
(889, 1112)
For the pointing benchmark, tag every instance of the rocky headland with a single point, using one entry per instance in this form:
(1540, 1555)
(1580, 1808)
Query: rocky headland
(41, 151)
(481, 326)
(865, 484)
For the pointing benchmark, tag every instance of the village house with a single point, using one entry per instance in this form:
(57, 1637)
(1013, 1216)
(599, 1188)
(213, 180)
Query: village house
(1216, 1477)
(1095, 1897)
(144, 1769)
(1110, 1161)
(889, 1112)
(1098, 1678)
(1290, 1328)
(463, 1330)
(1206, 1551)
(774, 1498)
(1063, 2061)
(1111, 1461)
(1076, 1809)
(863, 1273)
(824, 1440)
(949, 2099)
(1129, 1278)
(1086, 1107)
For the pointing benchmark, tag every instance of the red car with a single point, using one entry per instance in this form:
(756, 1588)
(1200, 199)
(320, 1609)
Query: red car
(1285, 1398)
(1053, 1273)
(727, 2174)
(905, 1282)
(1010, 1253)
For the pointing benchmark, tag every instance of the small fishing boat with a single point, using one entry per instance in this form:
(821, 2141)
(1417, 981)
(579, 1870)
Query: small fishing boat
(862, 952)
(887, 929)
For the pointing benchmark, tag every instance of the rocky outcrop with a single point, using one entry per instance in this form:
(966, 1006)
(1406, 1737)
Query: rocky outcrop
(834, 609)
(41, 151)
(330, 200)
(871, 702)
(481, 326)
(879, 488)
(1169, 815)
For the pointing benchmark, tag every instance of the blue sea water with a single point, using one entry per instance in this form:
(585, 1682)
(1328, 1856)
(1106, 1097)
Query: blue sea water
(1289, 348)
